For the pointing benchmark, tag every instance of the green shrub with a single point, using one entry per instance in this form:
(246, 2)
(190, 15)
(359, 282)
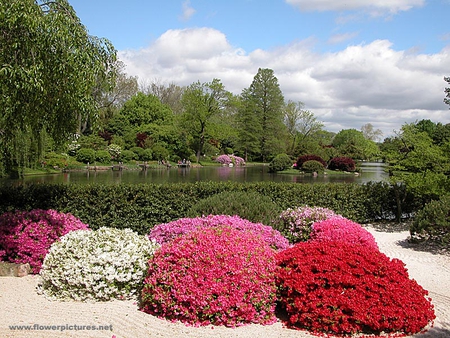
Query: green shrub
(86, 155)
(53, 160)
(141, 206)
(280, 162)
(127, 156)
(102, 156)
(147, 155)
(228, 151)
(160, 152)
(313, 166)
(248, 205)
(139, 152)
(304, 158)
(433, 221)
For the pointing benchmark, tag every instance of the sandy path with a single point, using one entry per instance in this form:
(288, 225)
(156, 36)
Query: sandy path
(21, 305)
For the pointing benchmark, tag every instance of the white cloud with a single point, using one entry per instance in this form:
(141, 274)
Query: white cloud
(389, 6)
(367, 83)
(188, 11)
(338, 38)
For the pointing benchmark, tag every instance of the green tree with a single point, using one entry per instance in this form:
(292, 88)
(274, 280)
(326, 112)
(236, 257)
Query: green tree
(447, 91)
(49, 69)
(262, 131)
(352, 143)
(301, 124)
(201, 103)
(144, 109)
(417, 162)
(170, 94)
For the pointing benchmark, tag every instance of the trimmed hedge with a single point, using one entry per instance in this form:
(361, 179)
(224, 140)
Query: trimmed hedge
(142, 206)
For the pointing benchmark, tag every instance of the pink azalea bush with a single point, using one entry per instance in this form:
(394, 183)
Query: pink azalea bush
(227, 159)
(342, 288)
(342, 229)
(220, 276)
(26, 236)
(166, 232)
(296, 224)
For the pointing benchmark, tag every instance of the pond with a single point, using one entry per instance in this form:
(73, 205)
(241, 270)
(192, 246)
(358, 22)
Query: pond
(370, 171)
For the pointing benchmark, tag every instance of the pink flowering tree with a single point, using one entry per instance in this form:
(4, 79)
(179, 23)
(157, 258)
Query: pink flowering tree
(166, 232)
(26, 236)
(228, 159)
(219, 276)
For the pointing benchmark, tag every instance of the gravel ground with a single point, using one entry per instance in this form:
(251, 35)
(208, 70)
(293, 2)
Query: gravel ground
(21, 305)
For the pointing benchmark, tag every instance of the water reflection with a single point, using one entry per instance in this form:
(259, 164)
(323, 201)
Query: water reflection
(370, 172)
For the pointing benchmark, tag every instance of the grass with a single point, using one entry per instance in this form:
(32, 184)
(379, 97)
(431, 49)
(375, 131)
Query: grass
(292, 171)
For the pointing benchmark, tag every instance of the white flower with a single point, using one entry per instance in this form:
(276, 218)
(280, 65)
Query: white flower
(101, 264)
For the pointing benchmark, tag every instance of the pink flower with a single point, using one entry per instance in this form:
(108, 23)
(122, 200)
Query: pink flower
(342, 229)
(26, 236)
(166, 232)
(220, 276)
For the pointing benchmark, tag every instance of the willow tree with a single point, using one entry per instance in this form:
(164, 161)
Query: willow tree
(50, 68)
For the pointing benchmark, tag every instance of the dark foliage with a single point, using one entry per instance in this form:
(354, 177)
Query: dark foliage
(342, 164)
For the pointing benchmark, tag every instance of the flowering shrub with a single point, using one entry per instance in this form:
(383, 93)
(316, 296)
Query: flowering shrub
(102, 264)
(295, 224)
(342, 288)
(26, 236)
(166, 232)
(219, 276)
(227, 159)
(342, 229)
(114, 150)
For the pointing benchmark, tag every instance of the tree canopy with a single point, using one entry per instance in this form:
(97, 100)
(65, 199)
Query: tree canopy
(50, 70)
(261, 116)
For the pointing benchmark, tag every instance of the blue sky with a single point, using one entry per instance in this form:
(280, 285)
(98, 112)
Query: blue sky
(351, 62)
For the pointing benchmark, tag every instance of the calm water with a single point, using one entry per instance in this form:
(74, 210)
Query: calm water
(370, 172)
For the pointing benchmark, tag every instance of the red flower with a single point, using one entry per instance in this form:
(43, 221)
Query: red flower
(341, 288)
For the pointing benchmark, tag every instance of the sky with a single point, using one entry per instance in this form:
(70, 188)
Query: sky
(351, 62)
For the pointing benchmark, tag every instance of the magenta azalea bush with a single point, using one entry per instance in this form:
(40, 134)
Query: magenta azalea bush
(26, 236)
(227, 159)
(341, 288)
(296, 224)
(342, 229)
(220, 276)
(166, 232)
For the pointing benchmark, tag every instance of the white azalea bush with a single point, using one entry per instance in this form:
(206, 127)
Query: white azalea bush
(96, 265)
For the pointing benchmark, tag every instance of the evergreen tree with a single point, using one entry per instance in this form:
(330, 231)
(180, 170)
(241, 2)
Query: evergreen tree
(262, 131)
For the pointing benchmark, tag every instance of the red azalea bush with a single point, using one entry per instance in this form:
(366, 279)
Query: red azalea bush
(219, 276)
(342, 229)
(341, 288)
(165, 232)
(26, 236)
